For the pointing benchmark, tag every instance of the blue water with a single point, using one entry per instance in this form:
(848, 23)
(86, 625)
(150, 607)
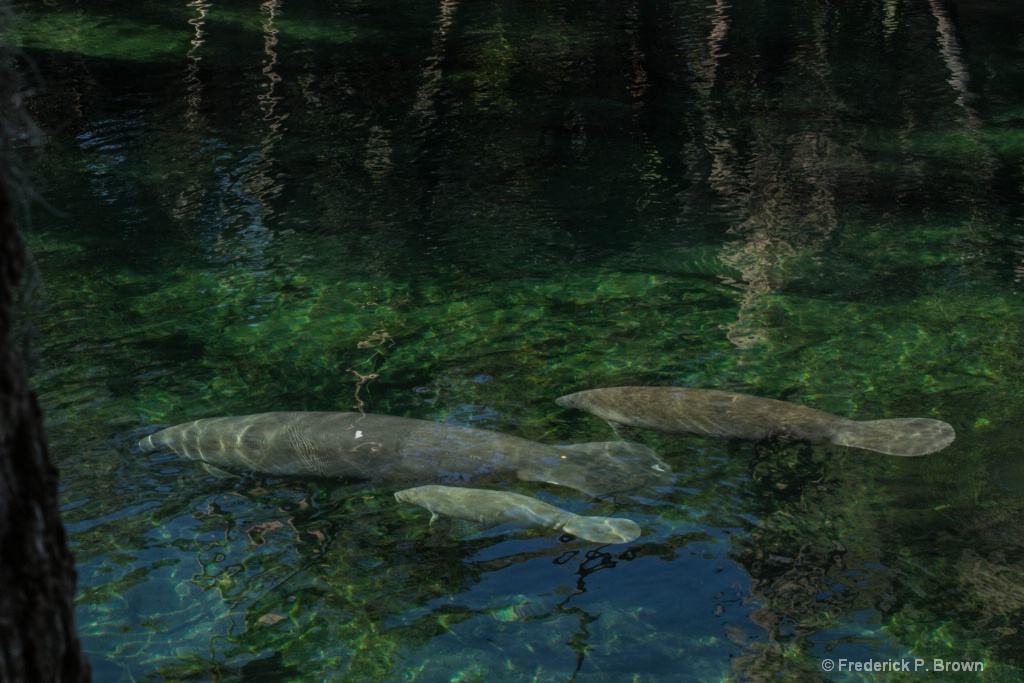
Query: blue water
(459, 212)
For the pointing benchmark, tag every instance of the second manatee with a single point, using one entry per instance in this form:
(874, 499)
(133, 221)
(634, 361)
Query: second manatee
(496, 507)
(720, 413)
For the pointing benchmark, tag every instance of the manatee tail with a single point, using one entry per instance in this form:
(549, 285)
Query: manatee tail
(158, 441)
(902, 436)
(603, 529)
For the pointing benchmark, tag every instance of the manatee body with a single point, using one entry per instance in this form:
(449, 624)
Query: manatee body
(404, 451)
(496, 507)
(719, 413)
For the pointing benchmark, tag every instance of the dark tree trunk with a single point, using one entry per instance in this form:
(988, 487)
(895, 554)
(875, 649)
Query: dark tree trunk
(38, 643)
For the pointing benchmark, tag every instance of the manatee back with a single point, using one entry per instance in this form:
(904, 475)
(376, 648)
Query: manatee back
(484, 505)
(313, 444)
(382, 448)
(708, 412)
(453, 454)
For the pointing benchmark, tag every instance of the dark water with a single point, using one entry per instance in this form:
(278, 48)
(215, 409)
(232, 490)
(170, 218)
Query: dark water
(460, 211)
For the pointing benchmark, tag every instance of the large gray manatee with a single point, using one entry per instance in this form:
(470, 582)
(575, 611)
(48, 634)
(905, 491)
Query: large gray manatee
(724, 414)
(404, 451)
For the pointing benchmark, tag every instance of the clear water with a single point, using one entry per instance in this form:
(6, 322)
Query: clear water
(460, 211)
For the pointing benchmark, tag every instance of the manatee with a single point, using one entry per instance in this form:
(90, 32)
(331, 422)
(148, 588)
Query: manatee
(496, 507)
(719, 413)
(403, 451)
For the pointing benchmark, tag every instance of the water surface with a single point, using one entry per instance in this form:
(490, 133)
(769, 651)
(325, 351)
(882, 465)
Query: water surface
(461, 211)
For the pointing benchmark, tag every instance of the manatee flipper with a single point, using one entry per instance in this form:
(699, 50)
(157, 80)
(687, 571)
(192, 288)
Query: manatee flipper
(910, 436)
(217, 472)
(625, 432)
(496, 507)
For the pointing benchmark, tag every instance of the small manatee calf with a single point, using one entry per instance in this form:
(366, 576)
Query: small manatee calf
(496, 507)
(723, 414)
(404, 451)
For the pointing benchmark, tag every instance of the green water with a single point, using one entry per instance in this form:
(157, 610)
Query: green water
(461, 211)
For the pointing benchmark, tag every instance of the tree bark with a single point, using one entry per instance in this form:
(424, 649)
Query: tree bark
(38, 642)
